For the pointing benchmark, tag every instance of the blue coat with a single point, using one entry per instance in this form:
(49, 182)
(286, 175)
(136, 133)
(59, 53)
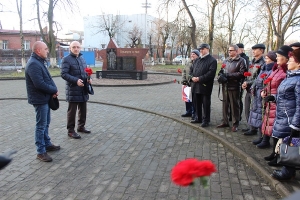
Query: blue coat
(72, 69)
(255, 116)
(39, 83)
(288, 105)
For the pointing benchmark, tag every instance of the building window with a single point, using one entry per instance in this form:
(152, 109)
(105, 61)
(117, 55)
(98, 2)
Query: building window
(5, 44)
(26, 44)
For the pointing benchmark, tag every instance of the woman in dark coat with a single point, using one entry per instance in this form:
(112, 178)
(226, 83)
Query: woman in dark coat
(269, 95)
(288, 111)
(255, 116)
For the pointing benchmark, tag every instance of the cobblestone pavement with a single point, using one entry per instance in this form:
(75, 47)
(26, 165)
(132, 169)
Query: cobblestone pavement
(129, 154)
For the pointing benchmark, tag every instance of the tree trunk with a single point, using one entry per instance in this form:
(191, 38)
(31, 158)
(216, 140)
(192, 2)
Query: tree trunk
(19, 7)
(52, 41)
(193, 25)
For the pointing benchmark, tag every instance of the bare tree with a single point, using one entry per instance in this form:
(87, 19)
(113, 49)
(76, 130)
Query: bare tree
(135, 37)
(193, 24)
(19, 9)
(212, 4)
(283, 15)
(108, 23)
(48, 36)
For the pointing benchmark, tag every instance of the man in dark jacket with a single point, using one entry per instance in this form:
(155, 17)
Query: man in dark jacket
(40, 88)
(256, 65)
(203, 72)
(234, 72)
(73, 71)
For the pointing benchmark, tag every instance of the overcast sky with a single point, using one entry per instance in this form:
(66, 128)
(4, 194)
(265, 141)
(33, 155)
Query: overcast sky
(10, 20)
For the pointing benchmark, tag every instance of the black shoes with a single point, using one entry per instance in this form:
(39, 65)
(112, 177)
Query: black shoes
(245, 129)
(270, 157)
(52, 148)
(186, 115)
(195, 121)
(83, 130)
(44, 157)
(74, 135)
(250, 132)
(204, 124)
(257, 141)
(273, 162)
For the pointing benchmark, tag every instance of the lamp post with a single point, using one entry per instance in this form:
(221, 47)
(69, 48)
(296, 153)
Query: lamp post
(146, 5)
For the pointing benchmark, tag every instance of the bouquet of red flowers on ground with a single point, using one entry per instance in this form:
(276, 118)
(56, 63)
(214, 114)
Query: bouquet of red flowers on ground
(185, 172)
(89, 72)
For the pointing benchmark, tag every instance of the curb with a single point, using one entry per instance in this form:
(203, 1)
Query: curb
(277, 185)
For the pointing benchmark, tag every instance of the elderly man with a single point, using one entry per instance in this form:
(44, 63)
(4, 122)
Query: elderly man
(203, 73)
(73, 71)
(234, 69)
(40, 88)
(256, 65)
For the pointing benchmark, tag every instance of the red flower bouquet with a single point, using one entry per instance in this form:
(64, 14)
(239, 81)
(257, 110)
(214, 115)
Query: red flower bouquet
(223, 66)
(247, 74)
(251, 66)
(179, 71)
(257, 66)
(185, 172)
(263, 75)
(89, 72)
(267, 80)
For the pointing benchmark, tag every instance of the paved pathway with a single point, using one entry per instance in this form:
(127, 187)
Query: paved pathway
(130, 153)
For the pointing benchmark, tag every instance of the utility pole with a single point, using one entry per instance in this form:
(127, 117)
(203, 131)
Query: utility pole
(146, 5)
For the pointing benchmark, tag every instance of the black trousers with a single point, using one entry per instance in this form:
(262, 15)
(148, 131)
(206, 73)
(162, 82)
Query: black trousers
(202, 107)
(71, 116)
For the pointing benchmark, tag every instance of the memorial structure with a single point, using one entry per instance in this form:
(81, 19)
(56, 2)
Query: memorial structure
(122, 63)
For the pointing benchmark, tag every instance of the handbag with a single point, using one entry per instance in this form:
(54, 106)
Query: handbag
(289, 155)
(53, 103)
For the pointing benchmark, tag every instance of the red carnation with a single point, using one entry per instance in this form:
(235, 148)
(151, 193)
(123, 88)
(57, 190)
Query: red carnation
(179, 71)
(267, 80)
(89, 71)
(251, 66)
(247, 74)
(257, 66)
(184, 172)
(223, 65)
(174, 80)
(263, 75)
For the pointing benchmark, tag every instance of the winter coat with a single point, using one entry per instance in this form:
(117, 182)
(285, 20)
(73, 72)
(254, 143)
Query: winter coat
(255, 116)
(254, 69)
(39, 83)
(277, 75)
(205, 68)
(288, 105)
(186, 72)
(234, 71)
(243, 55)
(72, 69)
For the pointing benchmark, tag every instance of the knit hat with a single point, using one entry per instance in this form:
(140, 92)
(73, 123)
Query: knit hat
(284, 51)
(195, 51)
(240, 45)
(296, 55)
(272, 55)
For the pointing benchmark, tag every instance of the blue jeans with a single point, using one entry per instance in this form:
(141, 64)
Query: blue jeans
(42, 139)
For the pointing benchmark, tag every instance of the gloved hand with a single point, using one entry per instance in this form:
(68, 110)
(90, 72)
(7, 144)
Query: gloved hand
(269, 98)
(184, 82)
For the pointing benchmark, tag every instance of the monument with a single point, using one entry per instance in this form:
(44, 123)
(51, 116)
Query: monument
(122, 63)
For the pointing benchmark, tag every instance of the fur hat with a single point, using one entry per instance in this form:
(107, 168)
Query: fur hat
(284, 51)
(272, 55)
(195, 51)
(296, 55)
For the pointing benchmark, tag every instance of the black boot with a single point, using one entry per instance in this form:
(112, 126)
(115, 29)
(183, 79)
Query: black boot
(274, 162)
(259, 139)
(265, 143)
(251, 132)
(270, 157)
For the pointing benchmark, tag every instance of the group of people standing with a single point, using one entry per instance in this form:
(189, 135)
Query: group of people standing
(271, 83)
(41, 87)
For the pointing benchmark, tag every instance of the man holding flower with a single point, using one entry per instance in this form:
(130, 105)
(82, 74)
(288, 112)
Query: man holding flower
(73, 70)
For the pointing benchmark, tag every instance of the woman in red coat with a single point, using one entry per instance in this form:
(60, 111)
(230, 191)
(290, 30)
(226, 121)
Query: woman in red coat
(269, 95)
